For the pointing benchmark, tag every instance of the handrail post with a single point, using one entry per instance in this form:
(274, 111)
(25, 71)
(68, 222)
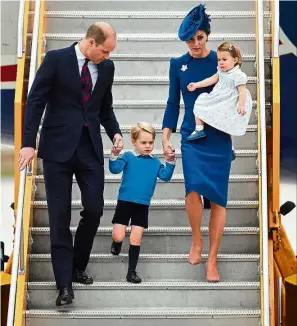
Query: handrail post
(263, 170)
(275, 17)
(16, 251)
(279, 300)
(20, 48)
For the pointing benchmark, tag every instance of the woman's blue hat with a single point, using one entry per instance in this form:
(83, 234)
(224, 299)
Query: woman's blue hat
(196, 19)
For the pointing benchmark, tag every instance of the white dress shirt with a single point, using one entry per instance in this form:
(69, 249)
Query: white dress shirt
(91, 65)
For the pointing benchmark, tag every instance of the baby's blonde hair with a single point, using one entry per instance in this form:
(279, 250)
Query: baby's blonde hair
(142, 126)
(233, 49)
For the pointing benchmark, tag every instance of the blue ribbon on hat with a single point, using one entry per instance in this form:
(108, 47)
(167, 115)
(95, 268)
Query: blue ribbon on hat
(196, 19)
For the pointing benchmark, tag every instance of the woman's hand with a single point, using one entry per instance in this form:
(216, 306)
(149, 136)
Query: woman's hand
(191, 87)
(168, 150)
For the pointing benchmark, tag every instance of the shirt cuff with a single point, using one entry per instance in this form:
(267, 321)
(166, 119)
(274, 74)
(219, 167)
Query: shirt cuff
(171, 162)
(112, 157)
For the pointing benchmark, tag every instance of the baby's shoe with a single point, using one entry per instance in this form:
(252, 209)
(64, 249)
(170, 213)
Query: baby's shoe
(132, 277)
(197, 134)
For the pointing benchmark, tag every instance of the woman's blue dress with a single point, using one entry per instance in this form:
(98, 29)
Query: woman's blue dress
(206, 161)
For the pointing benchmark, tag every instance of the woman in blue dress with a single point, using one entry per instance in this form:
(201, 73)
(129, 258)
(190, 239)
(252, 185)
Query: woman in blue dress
(206, 162)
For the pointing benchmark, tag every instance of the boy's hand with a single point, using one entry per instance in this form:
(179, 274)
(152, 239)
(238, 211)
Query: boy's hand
(241, 109)
(114, 151)
(191, 87)
(168, 150)
(171, 158)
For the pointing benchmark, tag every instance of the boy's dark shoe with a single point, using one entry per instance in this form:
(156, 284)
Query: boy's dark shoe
(116, 248)
(133, 277)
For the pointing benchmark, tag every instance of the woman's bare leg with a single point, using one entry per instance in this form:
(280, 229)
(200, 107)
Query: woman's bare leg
(198, 122)
(194, 211)
(216, 229)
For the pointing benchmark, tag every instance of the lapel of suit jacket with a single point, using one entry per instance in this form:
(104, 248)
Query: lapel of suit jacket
(100, 77)
(74, 72)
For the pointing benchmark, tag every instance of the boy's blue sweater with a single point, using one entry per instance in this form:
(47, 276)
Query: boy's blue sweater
(140, 175)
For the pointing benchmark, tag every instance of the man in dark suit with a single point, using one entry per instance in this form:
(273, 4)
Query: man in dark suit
(74, 84)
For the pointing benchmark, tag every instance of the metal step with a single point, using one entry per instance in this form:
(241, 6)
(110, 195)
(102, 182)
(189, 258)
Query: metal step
(132, 115)
(246, 161)
(241, 187)
(150, 21)
(248, 141)
(160, 43)
(132, 111)
(231, 295)
(173, 212)
(151, 267)
(156, 87)
(155, 5)
(144, 65)
(144, 317)
(162, 240)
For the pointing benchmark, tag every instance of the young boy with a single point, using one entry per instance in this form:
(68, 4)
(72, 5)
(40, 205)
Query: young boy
(140, 172)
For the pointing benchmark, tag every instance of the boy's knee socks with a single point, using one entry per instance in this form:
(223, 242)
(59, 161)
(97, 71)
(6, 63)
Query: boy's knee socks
(133, 257)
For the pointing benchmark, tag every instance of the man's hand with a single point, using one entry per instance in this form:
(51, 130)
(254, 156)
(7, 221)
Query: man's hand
(26, 156)
(168, 150)
(118, 144)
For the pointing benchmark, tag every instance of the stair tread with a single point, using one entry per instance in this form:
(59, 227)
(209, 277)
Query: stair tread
(146, 311)
(152, 285)
(156, 102)
(162, 79)
(125, 128)
(158, 127)
(158, 36)
(158, 230)
(178, 177)
(171, 257)
(159, 152)
(157, 203)
(148, 14)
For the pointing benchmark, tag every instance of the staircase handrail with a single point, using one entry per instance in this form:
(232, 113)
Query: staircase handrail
(18, 266)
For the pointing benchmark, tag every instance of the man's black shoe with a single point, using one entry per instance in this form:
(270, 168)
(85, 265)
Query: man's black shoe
(133, 277)
(81, 277)
(65, 297)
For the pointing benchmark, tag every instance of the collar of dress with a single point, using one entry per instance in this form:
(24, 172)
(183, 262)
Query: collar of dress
(231, 70)
(188, 57)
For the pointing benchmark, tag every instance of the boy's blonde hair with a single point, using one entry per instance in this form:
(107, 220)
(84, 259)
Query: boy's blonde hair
(233, 49)
(142, 126)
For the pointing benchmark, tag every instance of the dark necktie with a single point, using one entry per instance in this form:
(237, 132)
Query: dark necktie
(86, 81)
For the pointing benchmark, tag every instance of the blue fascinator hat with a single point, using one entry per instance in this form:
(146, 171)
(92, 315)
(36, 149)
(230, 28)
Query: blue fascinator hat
(196, 19)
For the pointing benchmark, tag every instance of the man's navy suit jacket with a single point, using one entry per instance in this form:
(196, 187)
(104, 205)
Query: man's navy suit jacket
(57, 86)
